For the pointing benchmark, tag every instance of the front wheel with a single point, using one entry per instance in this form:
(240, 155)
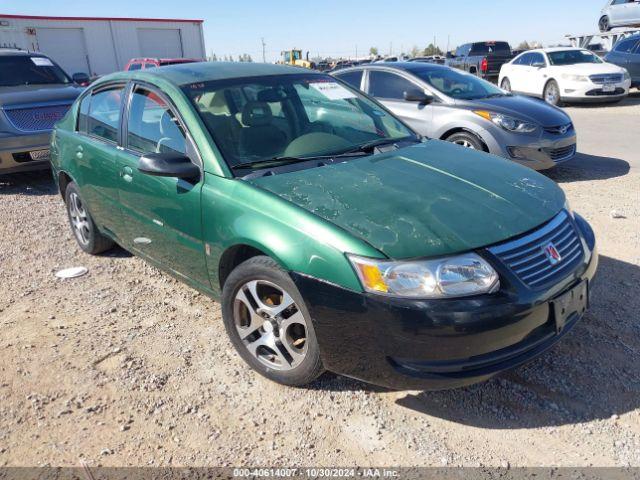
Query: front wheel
(604, 24)
(466, 139)
(552, 93)
(268, 323)
(506, 84)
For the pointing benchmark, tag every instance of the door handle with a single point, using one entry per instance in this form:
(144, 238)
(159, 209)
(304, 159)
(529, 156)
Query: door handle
(79, 151)
(127, 174)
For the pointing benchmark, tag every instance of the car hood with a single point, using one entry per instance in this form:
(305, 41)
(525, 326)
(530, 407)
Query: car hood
(521, 107)
(37, 94)
(588, 68)
(425, 200)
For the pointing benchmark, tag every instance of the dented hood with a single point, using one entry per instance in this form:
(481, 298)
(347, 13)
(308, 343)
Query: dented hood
(425, 200)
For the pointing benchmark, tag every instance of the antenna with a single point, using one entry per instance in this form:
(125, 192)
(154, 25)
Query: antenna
(264, 58)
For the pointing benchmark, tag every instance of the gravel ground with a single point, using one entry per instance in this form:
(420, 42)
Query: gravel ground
(126, 366)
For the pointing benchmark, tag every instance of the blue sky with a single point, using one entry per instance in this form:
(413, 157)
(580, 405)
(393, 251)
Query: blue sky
(338, 27)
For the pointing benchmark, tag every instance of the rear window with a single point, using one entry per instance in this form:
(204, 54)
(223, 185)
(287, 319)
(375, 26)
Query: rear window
(490, 48)
(27, 70)
(352, 78)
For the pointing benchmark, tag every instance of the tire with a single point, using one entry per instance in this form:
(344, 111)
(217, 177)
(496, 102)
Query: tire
(466, 139)
(506, 84)
(604, 24)
(82, 225)
(269, 324)
(551, 93)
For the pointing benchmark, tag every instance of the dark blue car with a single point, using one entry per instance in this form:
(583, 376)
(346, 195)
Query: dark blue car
(626, 54)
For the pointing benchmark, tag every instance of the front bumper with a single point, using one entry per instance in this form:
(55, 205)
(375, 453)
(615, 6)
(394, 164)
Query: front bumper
(439, 344)
(589, 92)
(537, 152)
(15, 149)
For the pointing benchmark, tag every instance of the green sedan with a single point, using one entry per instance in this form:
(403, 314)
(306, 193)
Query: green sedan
(333, 236)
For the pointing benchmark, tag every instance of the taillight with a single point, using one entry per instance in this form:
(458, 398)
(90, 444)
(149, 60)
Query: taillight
(484, 65)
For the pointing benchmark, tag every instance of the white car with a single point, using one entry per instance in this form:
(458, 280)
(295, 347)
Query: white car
(565, 75)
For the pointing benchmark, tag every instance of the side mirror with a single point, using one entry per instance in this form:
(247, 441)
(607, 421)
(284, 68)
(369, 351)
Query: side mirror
(81, 79)
(538, 65)
(418, 96)
(450, 55)
(168, 165)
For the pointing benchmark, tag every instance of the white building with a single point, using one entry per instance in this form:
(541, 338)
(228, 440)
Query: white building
(102, 45)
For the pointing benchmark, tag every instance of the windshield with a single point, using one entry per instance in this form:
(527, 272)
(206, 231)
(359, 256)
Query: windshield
(26, 70)
(572, 57)
(301, 115)
(458, 85)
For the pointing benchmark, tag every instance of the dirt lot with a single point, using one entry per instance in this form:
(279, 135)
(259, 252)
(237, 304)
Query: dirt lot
(127, 366)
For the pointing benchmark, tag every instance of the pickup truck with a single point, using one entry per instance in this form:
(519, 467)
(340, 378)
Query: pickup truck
(483, 59)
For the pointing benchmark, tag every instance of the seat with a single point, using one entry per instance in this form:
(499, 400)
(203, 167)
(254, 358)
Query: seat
(260, 136)
(172, 139)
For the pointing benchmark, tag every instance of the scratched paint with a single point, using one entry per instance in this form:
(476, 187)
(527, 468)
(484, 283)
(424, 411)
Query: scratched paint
(426, 200)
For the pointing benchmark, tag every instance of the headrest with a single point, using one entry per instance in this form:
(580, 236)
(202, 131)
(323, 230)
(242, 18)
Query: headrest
(270, 95)
(256, 114)
(167, 125)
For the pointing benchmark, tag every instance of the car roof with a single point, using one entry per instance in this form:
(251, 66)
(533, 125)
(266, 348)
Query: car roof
(186, 73)
(406, 66)
(18, 52)
(554, 49)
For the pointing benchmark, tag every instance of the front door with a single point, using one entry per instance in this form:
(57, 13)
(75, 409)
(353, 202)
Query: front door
(162, 214)
(95, 151)
(388, 88)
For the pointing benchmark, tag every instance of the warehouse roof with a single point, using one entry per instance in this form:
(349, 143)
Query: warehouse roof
(111, 19)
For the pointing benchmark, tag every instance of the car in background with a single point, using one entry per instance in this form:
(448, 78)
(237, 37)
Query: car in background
(439, 59)
(563, 74)
(34, 94)
(482, 59)
(144, 63)
(626, 54)
(443, 103)
(619, 13)
(342, 244)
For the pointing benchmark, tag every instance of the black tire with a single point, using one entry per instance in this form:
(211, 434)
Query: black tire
(466, 139)
(553, 99)
(265, 269)
(89, 238)
(506, 84)
(604, 24)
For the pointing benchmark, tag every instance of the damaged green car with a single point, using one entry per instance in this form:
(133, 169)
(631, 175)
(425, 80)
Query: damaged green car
(334, 237)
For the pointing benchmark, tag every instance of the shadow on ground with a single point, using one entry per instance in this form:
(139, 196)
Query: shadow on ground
(28, 183)
(591, 375)
(632, 100)
(586, 167)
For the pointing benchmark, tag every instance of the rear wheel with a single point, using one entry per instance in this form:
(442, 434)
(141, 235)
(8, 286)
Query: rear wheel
(84, 229)
(604, 24)
(552, 93)
(467, 140)
(506, 84)
(268, 323)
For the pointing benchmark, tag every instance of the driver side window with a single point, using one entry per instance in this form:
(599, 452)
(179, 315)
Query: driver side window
(152, 126)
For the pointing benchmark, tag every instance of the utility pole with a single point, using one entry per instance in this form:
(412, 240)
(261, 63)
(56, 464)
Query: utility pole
(264, 57)
(356, 52)
(448, 39)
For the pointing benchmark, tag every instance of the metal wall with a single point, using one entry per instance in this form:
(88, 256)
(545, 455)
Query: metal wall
(108, 43)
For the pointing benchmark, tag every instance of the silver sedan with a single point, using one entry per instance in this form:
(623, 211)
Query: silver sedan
(442, 103)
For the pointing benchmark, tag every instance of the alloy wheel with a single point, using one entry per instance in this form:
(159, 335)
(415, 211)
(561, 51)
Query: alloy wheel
(604, 24)
(270, 325)
(79, 219)
(463, 142)
(552, 94)
(506, 85)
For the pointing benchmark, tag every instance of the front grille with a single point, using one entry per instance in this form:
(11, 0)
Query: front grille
(560, 129)
(36, 119)
(606, 78)
(527, 258)
(562, 153)
(598, 92)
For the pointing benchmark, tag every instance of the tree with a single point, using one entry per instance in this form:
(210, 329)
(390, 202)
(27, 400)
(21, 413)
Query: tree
(431, 50)
(524, 46)
(373, 51)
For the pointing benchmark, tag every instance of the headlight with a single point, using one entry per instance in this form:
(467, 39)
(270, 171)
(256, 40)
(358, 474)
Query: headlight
(626, 76)
(508, 123)
(575, 78)
(458, 276)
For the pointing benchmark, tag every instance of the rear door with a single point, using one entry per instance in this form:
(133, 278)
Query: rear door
(96, 151)
(162, 214)
(517, 72)
(389, 87)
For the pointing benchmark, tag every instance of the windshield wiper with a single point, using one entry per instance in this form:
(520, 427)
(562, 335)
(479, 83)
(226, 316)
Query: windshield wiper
(368, 147)
(287, 160)
(495, 95)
